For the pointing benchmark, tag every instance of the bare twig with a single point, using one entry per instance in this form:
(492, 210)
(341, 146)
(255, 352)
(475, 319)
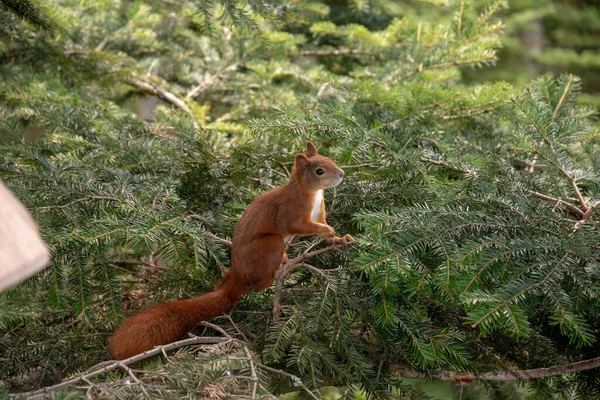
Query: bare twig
(235, 327)
(94, 371)
(217, 328)
(587, 215)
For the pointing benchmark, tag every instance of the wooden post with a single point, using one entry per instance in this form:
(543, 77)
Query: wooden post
(22, 250)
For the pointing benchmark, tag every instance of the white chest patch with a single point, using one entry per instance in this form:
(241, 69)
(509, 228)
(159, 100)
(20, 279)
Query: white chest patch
(316, 210)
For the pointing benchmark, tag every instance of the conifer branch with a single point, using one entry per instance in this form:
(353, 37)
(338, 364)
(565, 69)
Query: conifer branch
(572, 208)
(214, 237)
(295, 380)
(253, 375)
(588, 213)
(338, 52)
(293, 264)
(522, 375)
(204, 85)
(562, 98)
(84, 199)
(163, 94)
(456, 63)
(94, 371)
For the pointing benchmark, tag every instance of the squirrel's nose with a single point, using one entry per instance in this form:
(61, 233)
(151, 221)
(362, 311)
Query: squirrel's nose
(341, 173)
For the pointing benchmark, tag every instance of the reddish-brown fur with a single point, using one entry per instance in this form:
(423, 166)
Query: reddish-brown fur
(257, 252)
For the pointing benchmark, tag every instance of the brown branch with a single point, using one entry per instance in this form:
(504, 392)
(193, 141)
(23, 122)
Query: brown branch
(588, 213)
(522, 375)
(217, 239)
(163, 94)
(293, 264)
(94, 371)
(574, 209)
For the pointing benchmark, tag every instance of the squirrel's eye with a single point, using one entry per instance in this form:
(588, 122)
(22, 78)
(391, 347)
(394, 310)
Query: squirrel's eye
(320, 171)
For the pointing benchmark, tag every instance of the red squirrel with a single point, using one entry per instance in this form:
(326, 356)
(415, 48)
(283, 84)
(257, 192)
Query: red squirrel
(257, 253)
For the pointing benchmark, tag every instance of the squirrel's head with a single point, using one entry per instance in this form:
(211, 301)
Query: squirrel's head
(316, 172)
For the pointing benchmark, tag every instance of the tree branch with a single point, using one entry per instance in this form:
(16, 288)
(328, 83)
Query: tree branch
(338, 52)
(574, 209)
(456, 63)
(522, 375)
(94, 371)
(163, 94)
(293, 264)
(89, 198)
(295, 380)
(217, 239)
(588, 213)
(202, 86)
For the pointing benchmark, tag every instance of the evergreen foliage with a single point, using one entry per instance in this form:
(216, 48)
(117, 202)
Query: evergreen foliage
(473, 206)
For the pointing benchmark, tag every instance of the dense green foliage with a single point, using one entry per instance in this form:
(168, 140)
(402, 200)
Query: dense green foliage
(473, 205)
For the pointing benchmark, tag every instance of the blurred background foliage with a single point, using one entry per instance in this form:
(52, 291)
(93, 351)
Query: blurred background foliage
(546, 36)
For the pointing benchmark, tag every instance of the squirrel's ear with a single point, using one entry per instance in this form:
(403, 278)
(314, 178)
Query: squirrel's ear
(301, 161)
(311, 150)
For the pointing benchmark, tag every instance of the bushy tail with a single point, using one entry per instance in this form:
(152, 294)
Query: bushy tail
(167, 322)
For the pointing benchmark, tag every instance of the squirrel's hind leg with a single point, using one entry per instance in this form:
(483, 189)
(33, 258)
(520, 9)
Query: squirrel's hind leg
(267, 260)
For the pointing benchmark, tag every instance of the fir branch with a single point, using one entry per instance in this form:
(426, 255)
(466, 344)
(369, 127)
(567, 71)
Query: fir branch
(217, 239)
(247, 353)
(94, 371)
(205, 85)
(25, 9)
(339, 52)
(296, 381)
(163, 94)
(514, 375)
(85, 199)
(563, 96)
(291, 265)
(456, 63)
(574, 209)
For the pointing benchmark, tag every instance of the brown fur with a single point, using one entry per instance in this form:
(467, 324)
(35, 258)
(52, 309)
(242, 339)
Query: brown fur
(257, 252)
